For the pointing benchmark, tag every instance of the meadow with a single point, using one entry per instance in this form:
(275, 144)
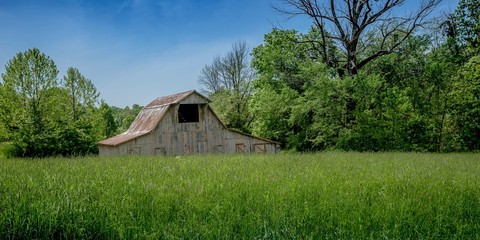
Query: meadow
(330, 195)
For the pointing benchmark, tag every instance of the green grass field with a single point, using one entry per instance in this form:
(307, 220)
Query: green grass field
(319, 196)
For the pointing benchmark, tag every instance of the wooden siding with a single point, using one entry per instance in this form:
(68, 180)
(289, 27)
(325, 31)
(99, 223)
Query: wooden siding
(194, 99)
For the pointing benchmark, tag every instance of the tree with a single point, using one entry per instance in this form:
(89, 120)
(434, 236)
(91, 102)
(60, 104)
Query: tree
(287, 70)
(83, 124)
(27, 80)
(43, 118)
(353, 24)
(28, 86)
(272, 107)
(229, 73)
(227, 81)
(280, 58)
(109, 126)
(466, 20)
(123, 117)
(466, 106)
(82, 93)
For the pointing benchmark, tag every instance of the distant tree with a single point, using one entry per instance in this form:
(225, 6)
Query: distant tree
(109, 125)
(466, 20)
(355, 24)
(82, 94)
(123, 117)
(227, 81)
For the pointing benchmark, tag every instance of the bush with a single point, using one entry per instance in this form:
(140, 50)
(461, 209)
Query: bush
(60, 141)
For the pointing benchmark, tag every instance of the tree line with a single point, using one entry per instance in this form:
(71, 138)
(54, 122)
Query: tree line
(366, 77)
(41, 115)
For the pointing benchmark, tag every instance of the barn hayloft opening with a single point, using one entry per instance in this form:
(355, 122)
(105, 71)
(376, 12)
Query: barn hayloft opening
(188, 113)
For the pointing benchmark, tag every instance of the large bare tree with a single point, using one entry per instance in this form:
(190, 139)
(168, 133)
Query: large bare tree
(232, 72)
(362, 29)
(227, 81)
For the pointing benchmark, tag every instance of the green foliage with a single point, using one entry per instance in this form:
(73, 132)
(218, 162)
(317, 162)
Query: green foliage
(466, 105)
(43, 117)
(123, 117)
(280, 59)
(306, 196)
(232, 108)
(272, 108)
(110, 126)
(287, 72)
(398, 102)
(27, 80)
(4, 149)
(28, 86)
(64, 140)
(82, 94)
(378, 120)
(421, 82)
(3, 133)
(467, 23)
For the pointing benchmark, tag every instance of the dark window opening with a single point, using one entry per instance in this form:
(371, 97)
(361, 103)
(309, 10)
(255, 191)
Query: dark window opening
(188, 113)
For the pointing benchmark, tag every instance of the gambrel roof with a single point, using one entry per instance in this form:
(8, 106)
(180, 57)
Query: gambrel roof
(148, 118)
(151, 115)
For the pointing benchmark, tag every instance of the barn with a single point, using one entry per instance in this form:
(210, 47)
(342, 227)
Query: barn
(182, 124)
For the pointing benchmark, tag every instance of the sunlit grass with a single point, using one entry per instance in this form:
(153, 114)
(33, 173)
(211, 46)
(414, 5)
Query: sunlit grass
(325, 195)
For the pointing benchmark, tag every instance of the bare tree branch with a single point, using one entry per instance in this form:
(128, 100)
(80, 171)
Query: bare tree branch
(351, 23)
(231, 72)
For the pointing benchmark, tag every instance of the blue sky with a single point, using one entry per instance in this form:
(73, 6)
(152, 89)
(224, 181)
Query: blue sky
(137, 50)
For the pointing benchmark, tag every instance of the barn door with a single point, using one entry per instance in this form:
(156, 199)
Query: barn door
(135, 150)
(260, 148)
(240, 148)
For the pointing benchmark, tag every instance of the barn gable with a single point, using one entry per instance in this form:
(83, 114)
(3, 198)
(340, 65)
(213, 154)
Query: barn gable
(182, 123)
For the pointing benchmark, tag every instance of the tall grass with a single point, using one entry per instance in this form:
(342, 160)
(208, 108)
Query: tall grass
(327, 195)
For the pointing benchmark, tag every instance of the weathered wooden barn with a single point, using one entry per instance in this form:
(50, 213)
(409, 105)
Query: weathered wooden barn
(182, 124)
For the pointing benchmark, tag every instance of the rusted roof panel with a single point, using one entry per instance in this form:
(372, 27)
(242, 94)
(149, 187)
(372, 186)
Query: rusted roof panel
(145, 122)
(147, 119)
(172, 99)
(119, 139)
(167, 100)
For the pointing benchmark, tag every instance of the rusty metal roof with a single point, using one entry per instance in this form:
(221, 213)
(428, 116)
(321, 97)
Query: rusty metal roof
(148, 118)
(172, 99)
(145, 122)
